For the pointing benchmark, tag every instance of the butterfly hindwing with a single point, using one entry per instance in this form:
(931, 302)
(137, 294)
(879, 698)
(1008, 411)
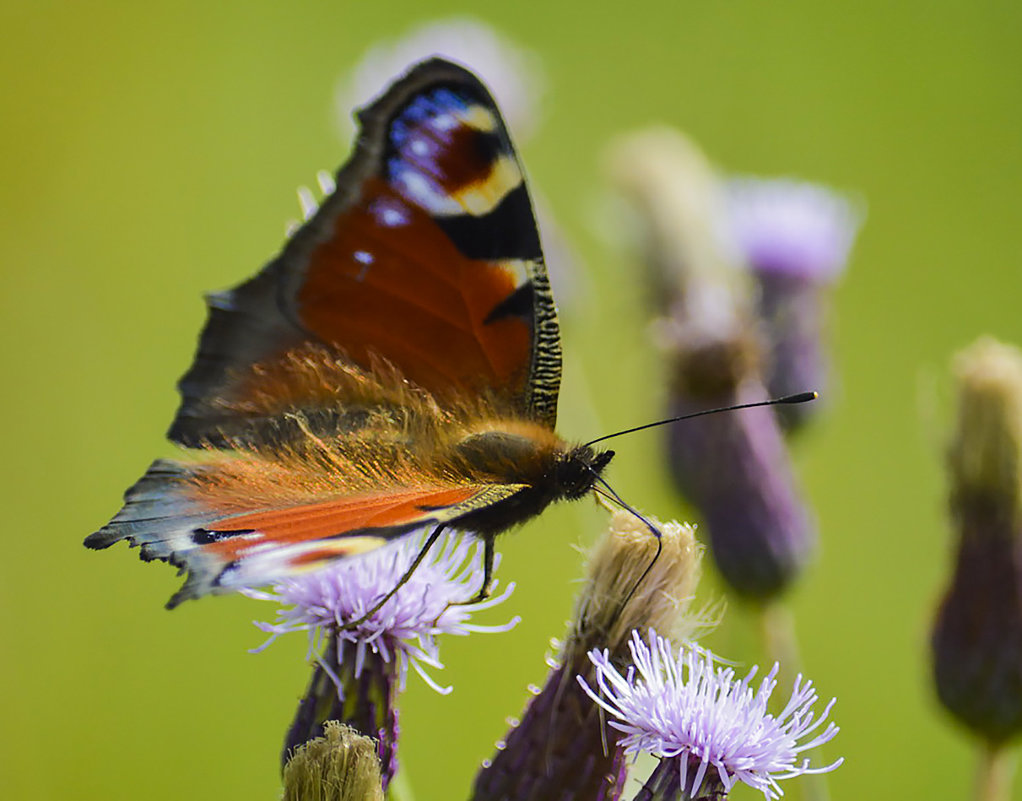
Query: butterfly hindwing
(178, 512)
(426, 257)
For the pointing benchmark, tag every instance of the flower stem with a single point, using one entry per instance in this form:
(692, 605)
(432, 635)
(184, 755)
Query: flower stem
(777, 626)
(994, 773)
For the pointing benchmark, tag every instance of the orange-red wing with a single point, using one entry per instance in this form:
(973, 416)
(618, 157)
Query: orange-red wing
(169, 515)
(405, 292)
(379, 516)
(426, 256)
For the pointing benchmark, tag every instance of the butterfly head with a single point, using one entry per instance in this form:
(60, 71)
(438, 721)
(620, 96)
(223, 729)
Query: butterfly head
(578, 469)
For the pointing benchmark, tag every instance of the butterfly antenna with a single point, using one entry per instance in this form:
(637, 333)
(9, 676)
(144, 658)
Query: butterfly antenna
(653, 530)
(801, 397)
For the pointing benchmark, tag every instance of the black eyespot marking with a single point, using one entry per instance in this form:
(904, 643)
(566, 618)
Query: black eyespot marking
(205, 536)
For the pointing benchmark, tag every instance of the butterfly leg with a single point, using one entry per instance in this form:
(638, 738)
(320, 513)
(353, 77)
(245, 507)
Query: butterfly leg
(484, 590)
(433, 537)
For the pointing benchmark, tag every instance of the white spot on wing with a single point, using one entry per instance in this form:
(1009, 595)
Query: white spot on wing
(389, 214)
(327, 185)
(365, 259)
(518, 269)
(307, 201)
(444, 122)
(417, 188)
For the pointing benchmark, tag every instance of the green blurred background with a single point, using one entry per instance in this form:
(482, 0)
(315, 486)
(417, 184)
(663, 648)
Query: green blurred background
(151, 151)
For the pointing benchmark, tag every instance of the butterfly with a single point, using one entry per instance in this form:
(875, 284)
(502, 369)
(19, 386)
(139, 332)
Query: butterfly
(395, 368)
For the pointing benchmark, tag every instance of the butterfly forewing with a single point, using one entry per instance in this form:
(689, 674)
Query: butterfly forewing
(425, 257)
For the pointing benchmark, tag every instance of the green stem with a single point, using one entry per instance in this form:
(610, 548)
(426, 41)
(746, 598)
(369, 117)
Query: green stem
(994, 773)
(777, 627)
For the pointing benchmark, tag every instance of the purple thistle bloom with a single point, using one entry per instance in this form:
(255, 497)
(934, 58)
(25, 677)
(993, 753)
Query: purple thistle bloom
(558, 750)
(405, 628)
(792, 227)
(361, 669)
(796, 238)
(690, 710)
(734, 468)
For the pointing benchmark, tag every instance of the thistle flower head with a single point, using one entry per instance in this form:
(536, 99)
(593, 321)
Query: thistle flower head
(513, 73)
(339, 766)
(986, 454)
(791, 227)
(559, 749)
(684, 706)
(677, 203)
(405, 628)
(615, 601)
(977, 635)
(736, 470)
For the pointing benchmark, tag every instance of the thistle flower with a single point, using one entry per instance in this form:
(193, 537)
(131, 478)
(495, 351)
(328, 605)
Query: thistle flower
(736, 470)
(339, 766)
(733, 468)
(362, 668)
(977, 636)
(714, 729)
(557, 751)
(795, 237)
(791, 227)
(679, 205)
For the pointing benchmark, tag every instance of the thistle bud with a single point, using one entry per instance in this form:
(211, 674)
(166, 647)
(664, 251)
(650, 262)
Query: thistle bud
(560, 751)
(339, 766)
(795, 238)
(977, 637)
(734, 468)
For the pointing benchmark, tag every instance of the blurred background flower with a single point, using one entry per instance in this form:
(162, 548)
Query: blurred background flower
(795, 237)
(734, 468)
(977, 636)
